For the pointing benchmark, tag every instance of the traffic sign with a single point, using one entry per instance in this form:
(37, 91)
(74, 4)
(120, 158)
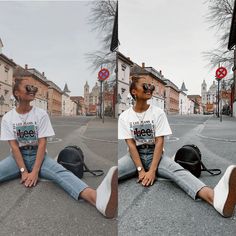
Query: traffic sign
(103, 74)
(221, 72)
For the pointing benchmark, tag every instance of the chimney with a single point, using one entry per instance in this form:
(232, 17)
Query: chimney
(43, 74)
(160, 72)
(26, 66)
(143, 64)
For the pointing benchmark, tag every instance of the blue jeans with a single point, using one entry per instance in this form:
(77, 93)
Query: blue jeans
(50, 170)
(167, 168)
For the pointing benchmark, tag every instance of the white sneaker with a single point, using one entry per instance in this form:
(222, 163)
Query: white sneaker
(107, 194)
(225, 193)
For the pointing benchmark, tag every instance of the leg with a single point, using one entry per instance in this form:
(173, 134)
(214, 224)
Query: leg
(126, 167)
(206, 194)
(168, 168)
(89, 195)
(104, 198)
(51, 170)
(8, 169)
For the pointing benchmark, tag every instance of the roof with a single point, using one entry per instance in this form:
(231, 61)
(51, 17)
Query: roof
(194, 96)
(37, 73)
(183, 87)
(232, 34)
(124, 58)
(21, 72)
(138, 70)
(66, 90)
(7, 60)
(172, 85)
(77, 99)
(54, 86)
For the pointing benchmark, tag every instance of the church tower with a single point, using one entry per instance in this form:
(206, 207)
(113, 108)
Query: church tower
(86, 94)
(204, 92)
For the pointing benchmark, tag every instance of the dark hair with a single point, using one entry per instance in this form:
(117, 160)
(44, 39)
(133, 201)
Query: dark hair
(134, 81)
(16, 87)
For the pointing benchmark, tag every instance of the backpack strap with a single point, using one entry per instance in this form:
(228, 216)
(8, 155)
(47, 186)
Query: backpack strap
(93, 172)
(85, 167)
(203, 167)
(218, 171)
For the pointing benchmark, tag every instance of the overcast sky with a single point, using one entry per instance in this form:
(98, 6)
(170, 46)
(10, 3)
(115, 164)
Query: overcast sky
(169, 35)
(51, 37)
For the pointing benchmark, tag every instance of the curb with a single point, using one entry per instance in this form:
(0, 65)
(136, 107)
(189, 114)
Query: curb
(213, 138)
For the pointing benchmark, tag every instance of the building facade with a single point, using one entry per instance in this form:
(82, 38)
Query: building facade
(6, 78)
(37, 79)
(184, 108)
(209, 97)
(171, 97)
(79, 100)
(67, 103)
(91, 99)
(54, 99)
(124, 65)
(156, 77)
(197, 99)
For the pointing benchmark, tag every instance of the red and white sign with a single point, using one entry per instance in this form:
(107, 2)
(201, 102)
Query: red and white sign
(103, 74)
(221, 72)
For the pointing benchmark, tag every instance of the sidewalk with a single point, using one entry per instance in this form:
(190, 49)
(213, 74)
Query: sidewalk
(222, 131)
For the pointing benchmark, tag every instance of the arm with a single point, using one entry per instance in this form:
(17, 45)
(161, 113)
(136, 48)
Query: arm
(135, 157)
(42, 143)
(151, 174)
(159, 144)
(17, 155)
(33, 176)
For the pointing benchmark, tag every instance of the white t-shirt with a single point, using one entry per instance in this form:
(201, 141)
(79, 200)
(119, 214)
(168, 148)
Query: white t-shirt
(26, 128)
(143, 127)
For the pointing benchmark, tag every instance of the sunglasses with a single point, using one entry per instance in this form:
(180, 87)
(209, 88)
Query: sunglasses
(149, 87)
(31, 89)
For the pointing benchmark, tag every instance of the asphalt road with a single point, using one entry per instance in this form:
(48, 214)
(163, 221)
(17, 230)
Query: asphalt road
(164, 209)
(48, 210)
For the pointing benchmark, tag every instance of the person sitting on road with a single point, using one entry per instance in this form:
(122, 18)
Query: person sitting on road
(143, 127)
(26, 129)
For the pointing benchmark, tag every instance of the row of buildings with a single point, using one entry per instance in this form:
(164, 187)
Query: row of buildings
(106, 92)
(51, 97)
(167, 95)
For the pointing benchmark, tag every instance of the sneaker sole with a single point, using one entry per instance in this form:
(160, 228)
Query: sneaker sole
(231, 199)
(111, 208)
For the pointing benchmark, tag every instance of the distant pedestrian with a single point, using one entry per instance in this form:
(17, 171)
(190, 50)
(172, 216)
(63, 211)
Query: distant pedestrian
(26, 129)
(143, 127)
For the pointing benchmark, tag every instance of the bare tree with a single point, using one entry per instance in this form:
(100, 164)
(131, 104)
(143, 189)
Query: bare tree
(219, 16)
(101, 19)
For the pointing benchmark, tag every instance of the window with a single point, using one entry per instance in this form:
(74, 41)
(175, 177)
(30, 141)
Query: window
(6, 68)
(123, 66)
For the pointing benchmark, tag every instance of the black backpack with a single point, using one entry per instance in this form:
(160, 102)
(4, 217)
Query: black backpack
(72, 158)
(189, 157)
